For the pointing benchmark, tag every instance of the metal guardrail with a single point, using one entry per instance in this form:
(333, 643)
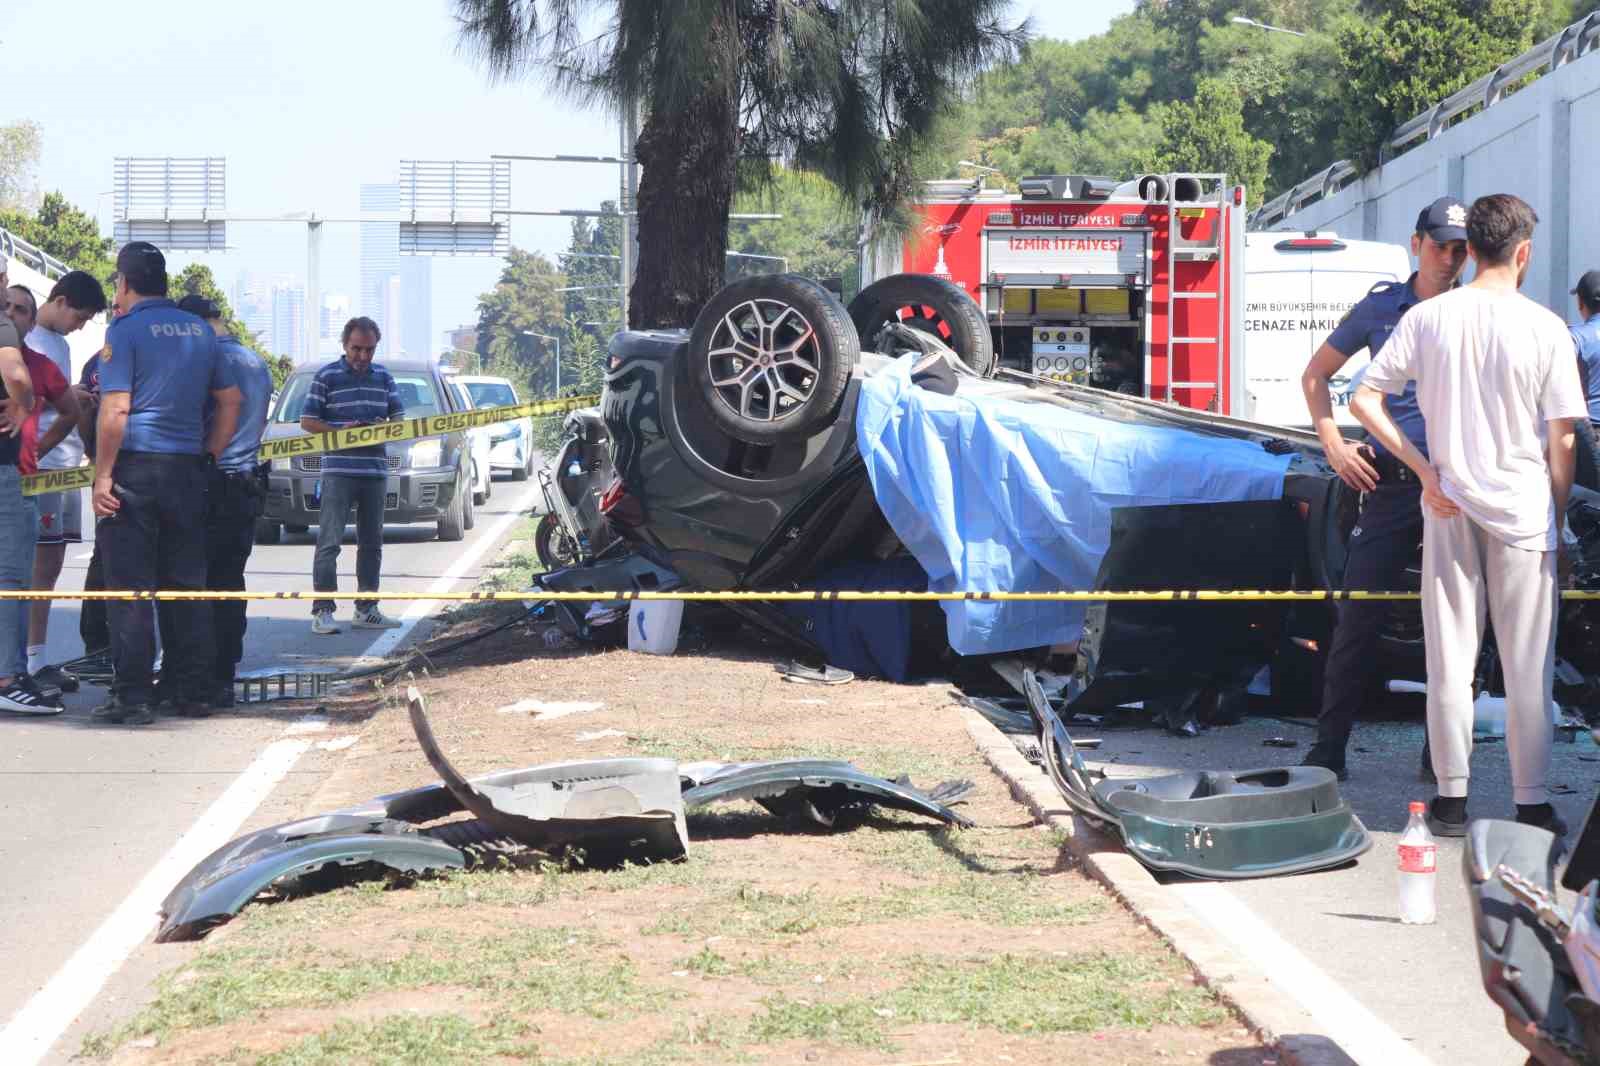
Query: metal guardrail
(1578, 39)
(14, 247)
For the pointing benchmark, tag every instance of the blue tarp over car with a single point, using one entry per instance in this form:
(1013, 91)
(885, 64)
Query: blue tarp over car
(1002, 495)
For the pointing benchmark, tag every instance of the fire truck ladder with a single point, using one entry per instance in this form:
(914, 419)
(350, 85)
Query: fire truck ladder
(1184, 250)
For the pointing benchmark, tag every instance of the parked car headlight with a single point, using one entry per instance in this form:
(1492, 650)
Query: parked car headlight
(427, 452)
(280, 466)
(506, 431)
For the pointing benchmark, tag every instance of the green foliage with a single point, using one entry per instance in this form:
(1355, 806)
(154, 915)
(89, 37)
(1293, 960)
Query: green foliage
(1150, 89)
(1403, 56)
(816, 235)
(19, 155)
(197, 279)
(850, 89)
(1208, 134)
(523, 300)
(65, 231)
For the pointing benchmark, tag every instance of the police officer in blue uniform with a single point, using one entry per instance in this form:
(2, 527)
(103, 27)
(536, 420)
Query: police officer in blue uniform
(1385, 539)
(152, 458)
(1586, 337)
(234, 496)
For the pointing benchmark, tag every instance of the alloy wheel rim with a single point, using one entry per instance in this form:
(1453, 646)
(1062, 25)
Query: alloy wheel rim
(763, 360)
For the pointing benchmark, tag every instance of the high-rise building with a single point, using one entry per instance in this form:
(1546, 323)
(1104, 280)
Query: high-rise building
(288, 321)
(252, 305)
(380, 261)
(461, 339)
(335, 313)
(416, 310)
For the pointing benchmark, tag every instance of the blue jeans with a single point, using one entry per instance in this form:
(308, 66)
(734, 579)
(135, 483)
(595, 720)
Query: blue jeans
(340, 495)
(19, 528)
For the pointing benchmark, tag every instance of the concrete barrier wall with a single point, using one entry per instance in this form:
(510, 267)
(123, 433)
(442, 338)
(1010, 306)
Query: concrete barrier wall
(1541, 143)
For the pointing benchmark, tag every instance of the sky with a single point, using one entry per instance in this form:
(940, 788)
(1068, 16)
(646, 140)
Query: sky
(306, 101)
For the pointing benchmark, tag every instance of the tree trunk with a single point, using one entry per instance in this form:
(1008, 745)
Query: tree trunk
(688, 162)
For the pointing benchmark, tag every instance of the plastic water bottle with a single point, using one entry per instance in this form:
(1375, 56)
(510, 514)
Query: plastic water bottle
(1419, 868)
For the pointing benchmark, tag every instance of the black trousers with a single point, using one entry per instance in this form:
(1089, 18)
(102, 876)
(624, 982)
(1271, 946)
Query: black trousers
(157, 539)
(93, 627)
(232, 507)
(1587, 473)
(1383, 543)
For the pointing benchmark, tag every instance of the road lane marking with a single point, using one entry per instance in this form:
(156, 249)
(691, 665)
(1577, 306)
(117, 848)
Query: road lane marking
(1362, 1035)
(34, 1029)
(420, 609)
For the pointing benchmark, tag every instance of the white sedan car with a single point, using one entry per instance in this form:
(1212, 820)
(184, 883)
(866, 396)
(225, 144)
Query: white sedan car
(478, 444)
(510, 443)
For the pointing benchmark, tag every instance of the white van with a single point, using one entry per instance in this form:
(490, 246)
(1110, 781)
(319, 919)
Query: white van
(1297, 288)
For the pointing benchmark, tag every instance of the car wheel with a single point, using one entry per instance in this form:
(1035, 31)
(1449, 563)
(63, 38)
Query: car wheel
(930, 304)
(469, 507)
(771, 357)
(268, 532)
(479, 498)
(452, 526)
(556, 549)
(296, 529)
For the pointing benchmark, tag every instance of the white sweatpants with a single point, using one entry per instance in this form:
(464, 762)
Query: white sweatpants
(1466, 570)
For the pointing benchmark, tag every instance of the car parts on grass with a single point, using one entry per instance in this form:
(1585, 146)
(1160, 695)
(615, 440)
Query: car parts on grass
(1207, 824)
(602, 812)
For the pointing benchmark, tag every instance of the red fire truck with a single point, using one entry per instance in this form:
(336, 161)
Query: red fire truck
(1134, 286)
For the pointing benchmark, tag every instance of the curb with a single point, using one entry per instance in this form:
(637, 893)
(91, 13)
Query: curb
(1274, 1016)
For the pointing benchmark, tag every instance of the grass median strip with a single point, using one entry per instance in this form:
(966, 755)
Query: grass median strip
(885, 940)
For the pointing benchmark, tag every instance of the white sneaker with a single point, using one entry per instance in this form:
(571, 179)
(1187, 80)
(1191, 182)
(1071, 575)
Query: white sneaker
(23, 697)
(322, 623)
(373, 618)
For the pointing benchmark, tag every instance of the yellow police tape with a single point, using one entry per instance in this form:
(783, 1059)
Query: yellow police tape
(791, 596)
(339, 440)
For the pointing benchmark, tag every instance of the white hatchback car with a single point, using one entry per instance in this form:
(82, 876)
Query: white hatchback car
(510, 443)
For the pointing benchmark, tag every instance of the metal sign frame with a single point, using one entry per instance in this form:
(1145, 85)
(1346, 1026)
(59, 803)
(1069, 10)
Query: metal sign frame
(178, 203)
(455, 207)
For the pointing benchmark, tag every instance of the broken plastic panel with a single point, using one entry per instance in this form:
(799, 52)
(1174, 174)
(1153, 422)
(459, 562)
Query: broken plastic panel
(816, 790)
(1207, 824)
(613, 808)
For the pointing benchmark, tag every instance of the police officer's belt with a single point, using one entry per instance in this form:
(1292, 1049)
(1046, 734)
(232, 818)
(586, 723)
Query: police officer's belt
(1392, 470)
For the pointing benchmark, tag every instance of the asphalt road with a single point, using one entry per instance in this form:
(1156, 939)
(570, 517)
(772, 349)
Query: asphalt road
(94, 821)
(1398, 993)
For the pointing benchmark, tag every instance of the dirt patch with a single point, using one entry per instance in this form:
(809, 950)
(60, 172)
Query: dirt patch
(893, 940)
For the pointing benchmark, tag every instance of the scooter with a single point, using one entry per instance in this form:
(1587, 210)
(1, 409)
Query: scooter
(573, 531)
(1539, 957)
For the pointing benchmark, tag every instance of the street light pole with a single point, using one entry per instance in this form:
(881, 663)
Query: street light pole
(1242, 21)
(548, 337)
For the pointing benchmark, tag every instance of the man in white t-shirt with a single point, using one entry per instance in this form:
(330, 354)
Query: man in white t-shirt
(75, 298)
(1498, 386)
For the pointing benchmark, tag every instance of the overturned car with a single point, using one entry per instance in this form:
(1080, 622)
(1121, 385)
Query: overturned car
(788, 443)
(765, 450)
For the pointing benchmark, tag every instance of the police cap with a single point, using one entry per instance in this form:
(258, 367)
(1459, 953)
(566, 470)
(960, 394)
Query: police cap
(1588, 289)
(1444, 220)
(199, 305)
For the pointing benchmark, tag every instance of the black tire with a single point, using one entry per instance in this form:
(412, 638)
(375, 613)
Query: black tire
(268, 532)
(469, 507)
(452, 526)
(480, 498)
(770, 358)
(931, 304)
(296, 529)
(555, 548)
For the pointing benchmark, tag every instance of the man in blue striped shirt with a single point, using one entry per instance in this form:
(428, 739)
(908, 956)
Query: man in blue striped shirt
(354, 391)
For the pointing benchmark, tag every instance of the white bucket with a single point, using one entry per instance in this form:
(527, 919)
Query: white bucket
(653, 626)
